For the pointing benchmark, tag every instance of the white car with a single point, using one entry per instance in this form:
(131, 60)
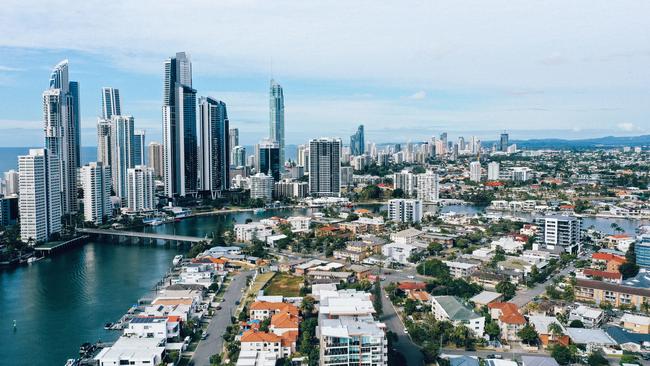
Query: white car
(410, 277)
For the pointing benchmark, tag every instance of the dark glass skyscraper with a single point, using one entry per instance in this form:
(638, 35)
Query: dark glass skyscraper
(267, 158)
(503, 146)
(357, 142)
(214, 142)
(180, 153)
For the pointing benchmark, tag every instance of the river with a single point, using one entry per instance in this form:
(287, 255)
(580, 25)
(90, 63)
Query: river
(62, 301)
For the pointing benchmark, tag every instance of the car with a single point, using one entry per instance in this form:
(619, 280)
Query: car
(204, 335)
(219, 307)
(237, 302)
(406, 331)
(410, 277)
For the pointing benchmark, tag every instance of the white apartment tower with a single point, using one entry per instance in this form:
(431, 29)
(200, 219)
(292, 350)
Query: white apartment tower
(122, 152)
(140, 186)
(96, 183)
(262, 186)
(40, 195)
(428, 187)
(405, 210)
(475, 171)
(493, 171)
(12, 182)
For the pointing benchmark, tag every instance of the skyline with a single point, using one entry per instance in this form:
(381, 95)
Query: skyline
(585, 77)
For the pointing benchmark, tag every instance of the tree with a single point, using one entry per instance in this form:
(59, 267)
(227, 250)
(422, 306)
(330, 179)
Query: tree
(555, 329)
(507, 289)
(265, 324)
(562, 354)
(528, 334)
(307, 306)
(492, 329)
(597, 359)
(629, 268)
(410, 306)
(398, 193)
(433, 267)
(576, 324)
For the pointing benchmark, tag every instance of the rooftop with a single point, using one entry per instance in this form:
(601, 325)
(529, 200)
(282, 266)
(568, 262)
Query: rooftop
(589, 336)
(454, 308)
(538, 361)
(485, 297)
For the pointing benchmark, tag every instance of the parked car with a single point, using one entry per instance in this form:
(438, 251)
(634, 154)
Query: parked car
(204, 335)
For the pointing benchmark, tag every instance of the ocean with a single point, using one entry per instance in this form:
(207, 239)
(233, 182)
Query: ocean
(9, 156)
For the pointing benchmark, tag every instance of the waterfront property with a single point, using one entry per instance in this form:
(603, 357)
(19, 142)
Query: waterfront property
(142, 235)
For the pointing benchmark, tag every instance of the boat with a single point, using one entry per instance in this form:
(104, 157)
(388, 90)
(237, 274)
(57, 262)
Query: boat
(177, 260)
(259, 210)
(108, 325)
(31, 260)
(72, 362)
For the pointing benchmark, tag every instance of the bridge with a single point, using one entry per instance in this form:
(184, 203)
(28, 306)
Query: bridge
(142, 235)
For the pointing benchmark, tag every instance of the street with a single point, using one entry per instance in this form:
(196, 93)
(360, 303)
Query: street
(524, 297)
(221, 319)
(404, 345)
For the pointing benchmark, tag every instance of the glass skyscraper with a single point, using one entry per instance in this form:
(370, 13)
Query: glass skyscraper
(276, 116)
(267, 158)
(62, 135)
(180, 152)
(214, 141)
(357, 142)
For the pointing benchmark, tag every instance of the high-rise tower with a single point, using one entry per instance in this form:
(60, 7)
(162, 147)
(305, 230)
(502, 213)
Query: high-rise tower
(61, 125)
(180, 152)
(276, 116)
(214, 155)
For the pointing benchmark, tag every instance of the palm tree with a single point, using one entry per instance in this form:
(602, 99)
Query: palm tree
(555, 329)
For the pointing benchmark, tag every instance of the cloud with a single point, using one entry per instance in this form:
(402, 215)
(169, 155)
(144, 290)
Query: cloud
(9, 69)
(418, 95)
(628, 127)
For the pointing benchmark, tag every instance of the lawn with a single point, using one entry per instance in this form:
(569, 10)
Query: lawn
(285, 285)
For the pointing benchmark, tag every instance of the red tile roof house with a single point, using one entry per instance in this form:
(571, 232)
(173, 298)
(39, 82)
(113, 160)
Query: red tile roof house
(411, 286)
(607, 276)
(261, 310)
(509, 319)
(609, 262)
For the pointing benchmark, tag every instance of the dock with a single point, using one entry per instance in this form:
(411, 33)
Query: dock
(54, 246)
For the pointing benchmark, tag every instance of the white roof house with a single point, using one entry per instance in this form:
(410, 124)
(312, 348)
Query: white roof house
(592, 338)
(399, 252)
(405, 236)
(132, 351)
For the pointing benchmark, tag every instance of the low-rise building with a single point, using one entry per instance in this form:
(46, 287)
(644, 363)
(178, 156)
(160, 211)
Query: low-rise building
(508, 244)
(352, 340)
(591, 339)
(617, 295)
(485, 298)
(460, 269)
(147, 327)
(636, 323)
(260, 310)
(450, 309)
(542, 325)
(132, 351)
(590, 317)
(509, 319)
(399, 252)
(254, 230)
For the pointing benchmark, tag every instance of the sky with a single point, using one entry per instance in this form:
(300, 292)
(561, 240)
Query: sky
(407, 70)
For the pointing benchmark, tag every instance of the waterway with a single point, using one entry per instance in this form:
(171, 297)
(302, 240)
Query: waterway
(60, 302)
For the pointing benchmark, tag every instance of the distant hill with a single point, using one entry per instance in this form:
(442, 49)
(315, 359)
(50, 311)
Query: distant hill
(607, 141)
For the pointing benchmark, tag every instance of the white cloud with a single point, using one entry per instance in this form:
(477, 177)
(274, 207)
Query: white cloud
(9, 69)
(628, 127)
(418, 95)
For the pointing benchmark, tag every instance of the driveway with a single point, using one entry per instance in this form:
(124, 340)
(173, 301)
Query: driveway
(221, 319)
(524, 297)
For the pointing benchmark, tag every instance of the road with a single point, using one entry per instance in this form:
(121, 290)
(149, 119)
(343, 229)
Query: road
(404, 345)
(221, 319)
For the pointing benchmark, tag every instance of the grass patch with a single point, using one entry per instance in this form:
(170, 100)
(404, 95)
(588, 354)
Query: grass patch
(284, 284)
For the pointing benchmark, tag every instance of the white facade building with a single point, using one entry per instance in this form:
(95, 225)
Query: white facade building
(96, 184)
(122, 152)
(493, 171)
(428, 187)
(262, 186)
(405, 210)
(325, 167)
(39, 202)
(475, 171)
(12, 183)
(140, 189)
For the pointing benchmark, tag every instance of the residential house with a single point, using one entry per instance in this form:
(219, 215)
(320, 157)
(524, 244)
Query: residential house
(590, 317)
(460, 269)
(407, 236)
(509, 319)
(538, 361)
(450, 309)
(485, 298)
(132, 351)
(399, 252)
(636, 323)
(542, 323)
(591, 339)
(261, 310)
